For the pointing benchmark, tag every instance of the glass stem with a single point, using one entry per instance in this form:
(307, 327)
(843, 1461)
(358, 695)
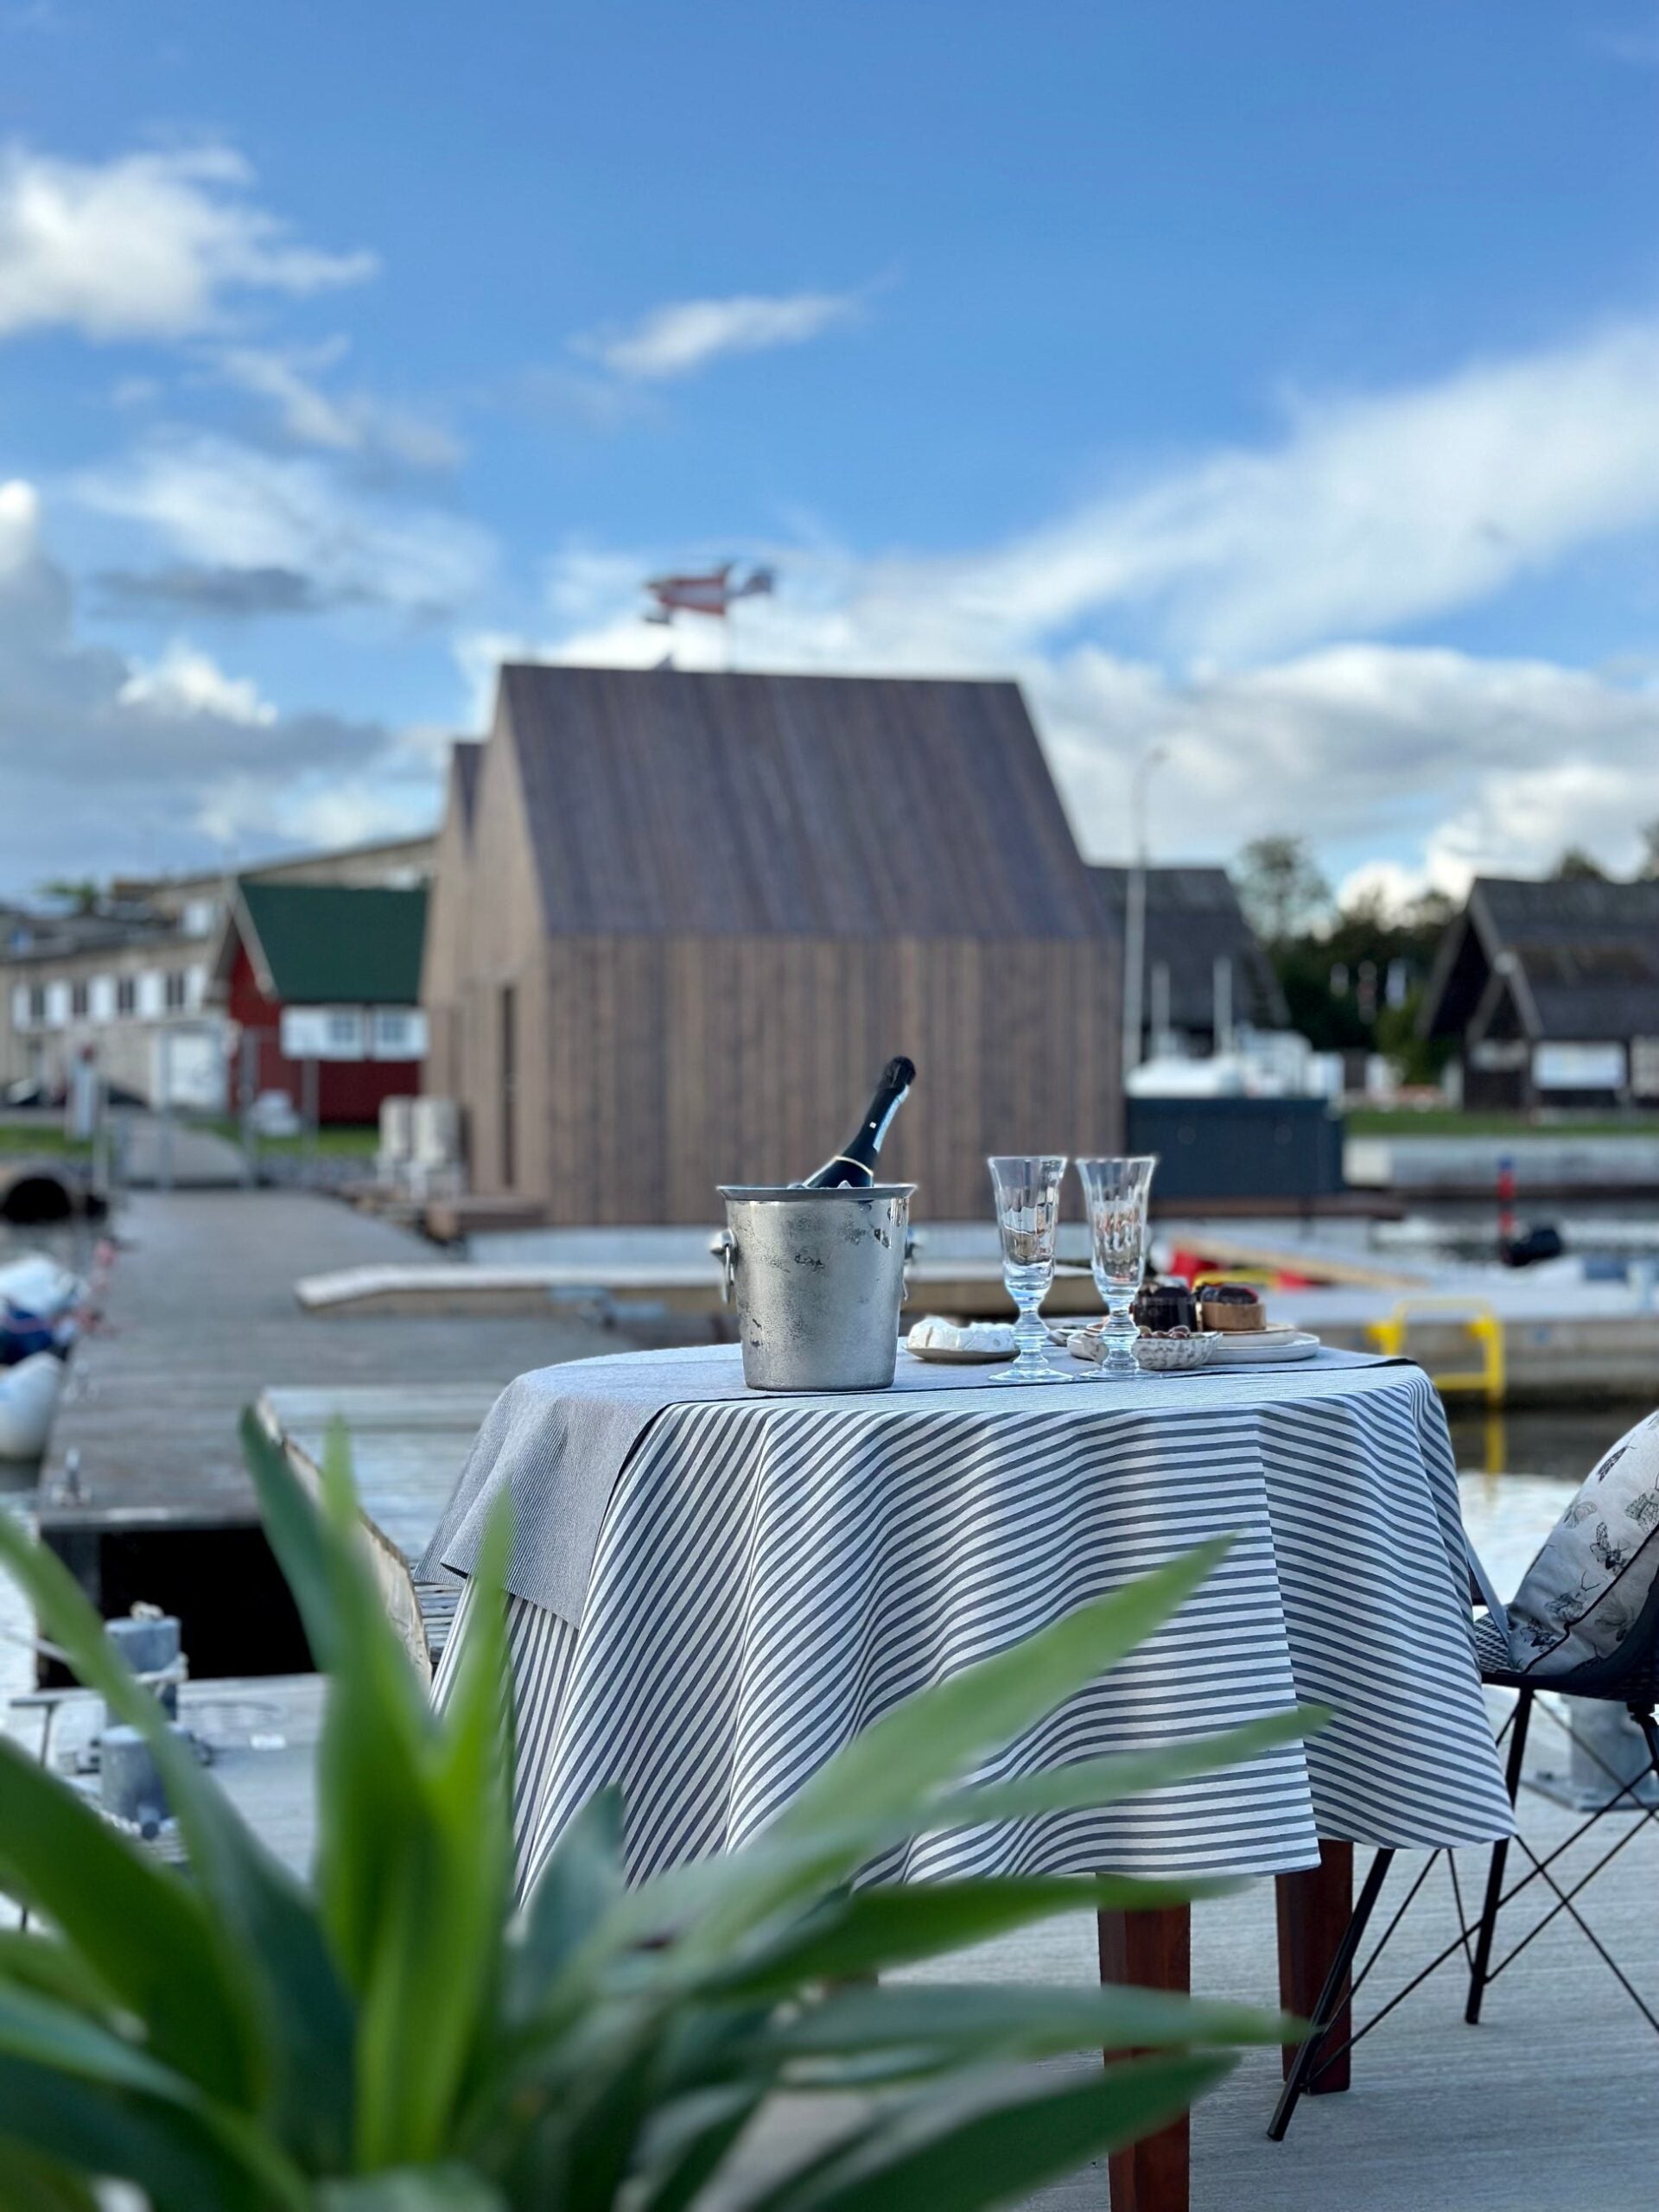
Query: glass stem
(1119, 1333)
(1029, 1333)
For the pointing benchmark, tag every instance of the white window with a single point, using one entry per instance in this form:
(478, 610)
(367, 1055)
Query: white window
(151, 996)
(103, 998)
(20, 1014)
(172, 989)
(57, 1004)
(200, 917)
(195, 986)
(322, 1032)
(80, 999)
(1578, 1067)
(126, 994)
(397, 1032)
(37, 1002)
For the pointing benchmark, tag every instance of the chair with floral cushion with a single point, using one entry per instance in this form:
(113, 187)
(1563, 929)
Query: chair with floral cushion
(1584, 1623)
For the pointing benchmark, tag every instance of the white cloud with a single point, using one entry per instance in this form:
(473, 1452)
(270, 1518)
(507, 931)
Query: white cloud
(149, 246)
(686, 335)
(229, 507)
(19, 509)
(185, 681)
(113, 766)
(349, 422)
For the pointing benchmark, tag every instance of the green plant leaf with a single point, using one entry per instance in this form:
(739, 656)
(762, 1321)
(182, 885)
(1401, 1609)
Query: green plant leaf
(438, 1967)
(924, 2162)
(37, 2184)
(979, 2020)
(296, 2038)
(947, 1729)
(581, 1882)
(1107, 1781)
(425, 2188)
(295, 1530)
(184, 2159)
(687, 2149)
(716, 1901)
(140, 1930)
(893, 1924)
(38, 1959)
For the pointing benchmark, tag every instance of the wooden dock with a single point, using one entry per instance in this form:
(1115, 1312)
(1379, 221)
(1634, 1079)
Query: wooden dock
(1546, 2102)
(200, 1315)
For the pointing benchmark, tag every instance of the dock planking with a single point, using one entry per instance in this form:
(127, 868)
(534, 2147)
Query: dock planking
(200, 1315)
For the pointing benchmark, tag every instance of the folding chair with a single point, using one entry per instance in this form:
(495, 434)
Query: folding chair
(1628, 1677)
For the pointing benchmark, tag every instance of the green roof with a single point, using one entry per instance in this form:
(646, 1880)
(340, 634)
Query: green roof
(336, 943)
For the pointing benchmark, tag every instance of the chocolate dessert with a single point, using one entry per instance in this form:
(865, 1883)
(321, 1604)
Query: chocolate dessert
(1162, 1306)
(1233, 1307)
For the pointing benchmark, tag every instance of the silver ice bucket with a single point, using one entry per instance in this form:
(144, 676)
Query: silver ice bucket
(818, 1278)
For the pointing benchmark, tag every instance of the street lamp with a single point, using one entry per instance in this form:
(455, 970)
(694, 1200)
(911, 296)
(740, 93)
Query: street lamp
(1134, 914)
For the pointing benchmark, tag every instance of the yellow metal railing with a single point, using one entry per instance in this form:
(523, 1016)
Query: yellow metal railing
(1480, 1324)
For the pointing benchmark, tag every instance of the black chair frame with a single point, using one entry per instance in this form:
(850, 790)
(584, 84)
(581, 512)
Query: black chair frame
(1628, 1677)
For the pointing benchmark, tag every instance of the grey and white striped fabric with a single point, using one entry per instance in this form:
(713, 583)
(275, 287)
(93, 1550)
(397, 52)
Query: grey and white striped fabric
(772, 1575)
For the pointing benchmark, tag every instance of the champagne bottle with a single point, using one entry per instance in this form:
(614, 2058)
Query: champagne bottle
(854, 1163)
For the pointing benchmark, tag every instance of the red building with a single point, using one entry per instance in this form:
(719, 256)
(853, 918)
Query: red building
(321, 983)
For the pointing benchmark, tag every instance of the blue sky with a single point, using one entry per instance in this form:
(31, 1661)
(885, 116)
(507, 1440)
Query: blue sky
(1278, 386)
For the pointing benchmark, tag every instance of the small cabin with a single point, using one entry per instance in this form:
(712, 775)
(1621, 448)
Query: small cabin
(680, 920)
(1552, 991)
(1206, 973)
(321, 983)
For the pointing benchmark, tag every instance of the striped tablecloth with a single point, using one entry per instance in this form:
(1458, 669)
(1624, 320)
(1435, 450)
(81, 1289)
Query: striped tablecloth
(773, 1574)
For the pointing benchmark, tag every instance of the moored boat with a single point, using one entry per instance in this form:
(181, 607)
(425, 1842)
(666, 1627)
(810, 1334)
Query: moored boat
(28, 1400)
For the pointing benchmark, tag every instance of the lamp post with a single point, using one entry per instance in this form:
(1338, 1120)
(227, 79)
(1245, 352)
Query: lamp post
(1134, 912)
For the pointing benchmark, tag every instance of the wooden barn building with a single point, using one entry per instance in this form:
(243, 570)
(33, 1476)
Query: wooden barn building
(1552, 990)
(680, 920)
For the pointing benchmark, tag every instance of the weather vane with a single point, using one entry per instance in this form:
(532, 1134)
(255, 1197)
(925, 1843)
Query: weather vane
(713, 592)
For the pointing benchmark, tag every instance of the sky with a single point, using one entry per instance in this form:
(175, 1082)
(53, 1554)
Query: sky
(1273, 391)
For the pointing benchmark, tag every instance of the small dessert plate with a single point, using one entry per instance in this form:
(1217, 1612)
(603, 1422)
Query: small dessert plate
(948, 1344)
(1260, 1347)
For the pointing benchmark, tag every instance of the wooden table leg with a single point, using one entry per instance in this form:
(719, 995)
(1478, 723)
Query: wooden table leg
(1154, 1951)
(1313, 1909)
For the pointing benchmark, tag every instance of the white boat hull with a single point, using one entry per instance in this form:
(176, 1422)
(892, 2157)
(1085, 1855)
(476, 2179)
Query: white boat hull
(36, 1284)
(28, 1400)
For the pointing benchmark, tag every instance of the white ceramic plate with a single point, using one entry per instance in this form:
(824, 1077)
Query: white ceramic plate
(963, 1355)
(1259, 1348)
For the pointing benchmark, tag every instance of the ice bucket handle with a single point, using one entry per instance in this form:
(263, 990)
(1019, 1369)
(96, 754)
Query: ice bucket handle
(724, 1248)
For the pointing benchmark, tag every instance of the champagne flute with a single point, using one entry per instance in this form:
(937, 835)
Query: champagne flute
(1115, 1195)
(1027, 1187)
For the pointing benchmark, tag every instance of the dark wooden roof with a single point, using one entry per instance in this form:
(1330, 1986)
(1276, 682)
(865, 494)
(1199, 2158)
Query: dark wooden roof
(1581, 956)
(1193, 917)
(690, 804)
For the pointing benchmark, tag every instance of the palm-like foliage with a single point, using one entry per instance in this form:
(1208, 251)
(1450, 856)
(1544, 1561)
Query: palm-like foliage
(395, 2037)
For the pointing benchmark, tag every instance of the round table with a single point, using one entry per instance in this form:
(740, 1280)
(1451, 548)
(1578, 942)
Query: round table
(771, 1573)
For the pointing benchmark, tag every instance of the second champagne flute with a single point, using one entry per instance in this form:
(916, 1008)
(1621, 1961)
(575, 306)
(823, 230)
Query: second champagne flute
(1115, 1195)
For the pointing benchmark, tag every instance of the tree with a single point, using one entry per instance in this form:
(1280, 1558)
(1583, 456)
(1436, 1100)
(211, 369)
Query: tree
(1280, 887)
(81, 892)
(1576, 866)
(1649, 866)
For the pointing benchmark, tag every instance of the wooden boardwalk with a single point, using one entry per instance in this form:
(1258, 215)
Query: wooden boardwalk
(201, 1315)
(1548, 2102)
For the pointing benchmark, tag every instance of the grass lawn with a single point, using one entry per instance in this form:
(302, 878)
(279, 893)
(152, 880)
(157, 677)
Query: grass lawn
(40, 1141)
(350, 1140)
(1448, 1121)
